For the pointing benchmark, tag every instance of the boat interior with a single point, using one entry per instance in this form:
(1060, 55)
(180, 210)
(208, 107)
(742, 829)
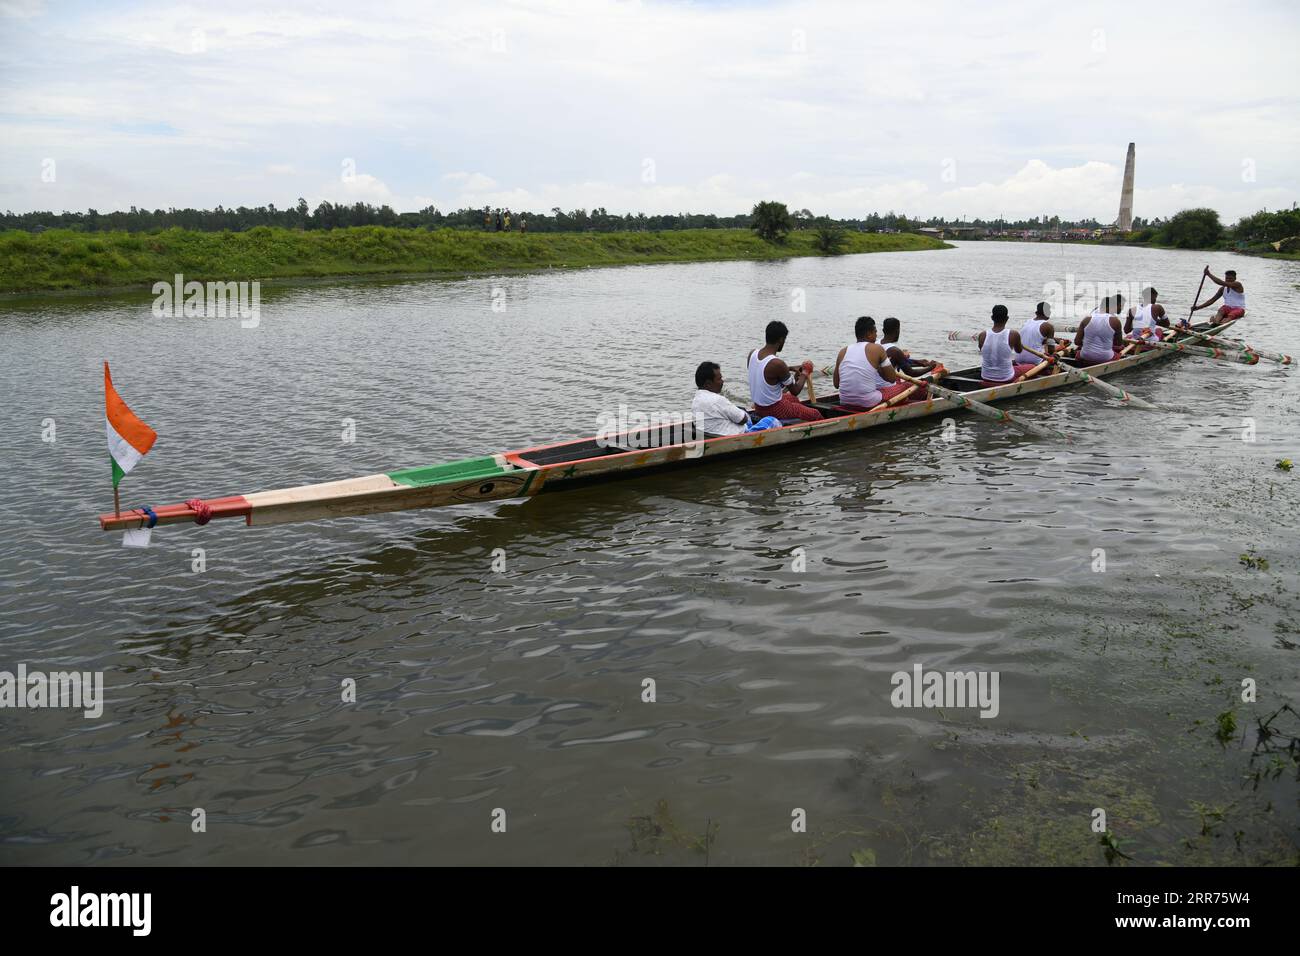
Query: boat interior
(961, 380)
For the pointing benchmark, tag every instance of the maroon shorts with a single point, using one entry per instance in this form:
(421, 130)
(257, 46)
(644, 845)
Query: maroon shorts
(788, 407)
(1017, 370)
(1084, 363)
(1228, 313)
(891, 391)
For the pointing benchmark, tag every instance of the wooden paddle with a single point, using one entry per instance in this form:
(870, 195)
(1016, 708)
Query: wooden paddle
(1243, 358)
(1278, 357)
(936, 373)
(963, 336)
(1112, 390)
(1204, 272)
(988, 411)
(1047, 360)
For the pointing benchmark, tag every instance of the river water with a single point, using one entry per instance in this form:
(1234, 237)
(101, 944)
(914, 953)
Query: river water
(769, 599)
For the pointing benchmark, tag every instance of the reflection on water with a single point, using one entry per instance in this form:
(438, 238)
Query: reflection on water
(524, 689)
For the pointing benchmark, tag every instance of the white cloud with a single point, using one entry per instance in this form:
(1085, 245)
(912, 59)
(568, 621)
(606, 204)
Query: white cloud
(470, 182)
(360, 187)
(21, 9)
(562, 100)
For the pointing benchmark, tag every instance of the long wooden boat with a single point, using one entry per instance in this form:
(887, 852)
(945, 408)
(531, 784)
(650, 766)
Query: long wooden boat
(570, 464)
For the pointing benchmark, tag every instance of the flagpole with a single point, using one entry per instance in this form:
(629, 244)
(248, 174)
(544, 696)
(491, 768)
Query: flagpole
(117, 508)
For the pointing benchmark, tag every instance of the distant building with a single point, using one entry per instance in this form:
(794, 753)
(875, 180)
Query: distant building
(1125, 221)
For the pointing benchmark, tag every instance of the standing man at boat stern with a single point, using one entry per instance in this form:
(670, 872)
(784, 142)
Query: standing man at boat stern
(773, 387)
(1233, 293)
(998, 348)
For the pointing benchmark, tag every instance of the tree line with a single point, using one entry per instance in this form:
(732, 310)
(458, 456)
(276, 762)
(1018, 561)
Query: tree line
(1191, 228)
(329, 215)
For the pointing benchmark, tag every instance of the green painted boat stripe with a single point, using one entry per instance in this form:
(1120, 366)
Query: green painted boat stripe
(465, 470)
(529, 483)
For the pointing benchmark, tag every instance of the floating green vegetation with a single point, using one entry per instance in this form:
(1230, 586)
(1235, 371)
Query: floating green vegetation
(1225, 726)
(1251, 560)
(1112, 848)
(653, 834)
(1277, 746)
(1284, 464)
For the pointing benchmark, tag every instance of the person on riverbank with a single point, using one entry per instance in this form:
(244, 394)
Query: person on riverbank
(1233, 294)
(863, 372)
(1098, 336)
(487, 218)
(773, 387)
(714, 415)
(507, 220)
(523, 225)
(498, 220)
(1038, 333)
(998, 348)
(899, 357)
(1146, 319)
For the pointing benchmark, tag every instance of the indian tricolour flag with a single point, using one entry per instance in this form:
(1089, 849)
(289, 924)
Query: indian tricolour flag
(128, 437)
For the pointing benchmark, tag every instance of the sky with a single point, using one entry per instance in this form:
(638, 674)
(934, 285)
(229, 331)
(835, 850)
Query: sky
(972, 109)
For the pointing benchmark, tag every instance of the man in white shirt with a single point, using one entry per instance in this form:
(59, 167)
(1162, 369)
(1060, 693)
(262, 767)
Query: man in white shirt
(714, 414)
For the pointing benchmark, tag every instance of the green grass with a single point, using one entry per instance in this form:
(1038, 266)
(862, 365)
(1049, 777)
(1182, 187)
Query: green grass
(60, 260)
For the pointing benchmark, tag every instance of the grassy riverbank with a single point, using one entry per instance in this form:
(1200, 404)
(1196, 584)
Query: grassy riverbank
(62, 260)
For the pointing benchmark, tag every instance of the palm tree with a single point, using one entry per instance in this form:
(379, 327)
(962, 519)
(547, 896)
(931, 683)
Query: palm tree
(771, 220)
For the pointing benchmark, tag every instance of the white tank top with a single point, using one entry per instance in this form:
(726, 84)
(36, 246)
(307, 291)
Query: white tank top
(995, 356)
(1142, 319)
(860, 383)
(1234, 299)
(1031, 336)
(891, 345)
(1098, 338)
(761, 391)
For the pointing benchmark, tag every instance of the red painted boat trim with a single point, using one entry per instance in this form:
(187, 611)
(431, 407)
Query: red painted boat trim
(236, 506)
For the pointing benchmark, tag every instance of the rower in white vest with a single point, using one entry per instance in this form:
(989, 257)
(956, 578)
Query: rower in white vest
(863, 373)
(1146, 319)
(1098, 336)
(998, 347)
(1233, 293)
(1037, 334)
(898, 356)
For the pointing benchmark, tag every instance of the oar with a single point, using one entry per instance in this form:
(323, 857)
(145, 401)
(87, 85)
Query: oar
(1244, 358)
(960, 335)
(1047, 361)
(1204, 272)
(1278, 357)
(936, 373)
(988, 411)
(1112, 390)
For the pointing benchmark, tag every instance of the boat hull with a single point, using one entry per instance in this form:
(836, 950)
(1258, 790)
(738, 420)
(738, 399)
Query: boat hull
(572, 464)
